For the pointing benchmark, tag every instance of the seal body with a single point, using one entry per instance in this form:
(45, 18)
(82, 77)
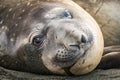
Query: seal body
(48, 37)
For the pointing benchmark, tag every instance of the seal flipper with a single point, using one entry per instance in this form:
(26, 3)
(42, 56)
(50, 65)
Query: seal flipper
(109, 49)
(111, 58)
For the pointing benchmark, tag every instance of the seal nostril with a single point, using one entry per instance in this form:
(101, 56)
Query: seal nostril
(83, 39)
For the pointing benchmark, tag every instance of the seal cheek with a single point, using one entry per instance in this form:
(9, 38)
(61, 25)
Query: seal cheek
(52, 66)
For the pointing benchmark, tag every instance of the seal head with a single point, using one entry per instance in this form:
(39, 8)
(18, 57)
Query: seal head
(52, 39)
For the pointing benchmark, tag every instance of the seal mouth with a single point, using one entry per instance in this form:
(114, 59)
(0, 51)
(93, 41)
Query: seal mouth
(67, 58)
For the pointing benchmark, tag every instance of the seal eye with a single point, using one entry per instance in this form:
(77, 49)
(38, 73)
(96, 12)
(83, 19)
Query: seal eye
(67, 14)
(38, 40)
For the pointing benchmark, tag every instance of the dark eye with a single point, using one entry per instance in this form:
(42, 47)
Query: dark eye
(38, 40)
(67, 14)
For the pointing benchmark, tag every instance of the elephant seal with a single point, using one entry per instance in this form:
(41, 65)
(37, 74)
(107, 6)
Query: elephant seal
(48, 37)
(106, 14)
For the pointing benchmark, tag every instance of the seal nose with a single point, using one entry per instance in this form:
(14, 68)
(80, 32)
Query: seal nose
(82, 40)
(70, 35)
